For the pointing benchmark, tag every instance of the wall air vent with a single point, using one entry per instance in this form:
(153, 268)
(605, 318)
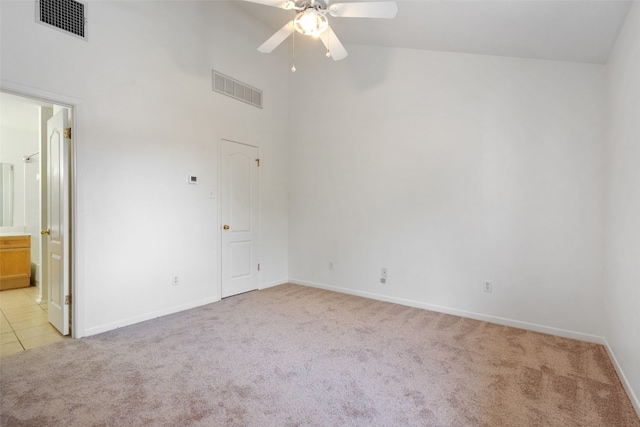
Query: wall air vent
(69, 16)
(235, 89)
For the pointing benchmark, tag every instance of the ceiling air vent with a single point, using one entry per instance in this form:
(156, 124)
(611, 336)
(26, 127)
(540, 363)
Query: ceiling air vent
(235, 89)
(69, 16)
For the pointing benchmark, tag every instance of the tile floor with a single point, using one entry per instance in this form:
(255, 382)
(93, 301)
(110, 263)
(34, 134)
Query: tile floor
(23, 322)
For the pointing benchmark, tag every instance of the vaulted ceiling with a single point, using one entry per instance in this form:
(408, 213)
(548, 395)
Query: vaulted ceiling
(572, 30)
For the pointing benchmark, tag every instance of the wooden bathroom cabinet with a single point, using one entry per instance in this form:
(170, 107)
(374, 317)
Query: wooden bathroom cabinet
(15, 262)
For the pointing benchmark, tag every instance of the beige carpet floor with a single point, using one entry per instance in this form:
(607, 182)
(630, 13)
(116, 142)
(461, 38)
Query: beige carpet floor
(298, 356)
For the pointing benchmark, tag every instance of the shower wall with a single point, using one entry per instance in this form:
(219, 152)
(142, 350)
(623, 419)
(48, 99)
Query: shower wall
(19, 137)
(32, 213)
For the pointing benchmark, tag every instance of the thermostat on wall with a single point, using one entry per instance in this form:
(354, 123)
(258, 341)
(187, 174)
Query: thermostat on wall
(191, 179)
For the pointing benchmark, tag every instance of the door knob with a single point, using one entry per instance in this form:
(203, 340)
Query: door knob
(226, 227)
(46, 232)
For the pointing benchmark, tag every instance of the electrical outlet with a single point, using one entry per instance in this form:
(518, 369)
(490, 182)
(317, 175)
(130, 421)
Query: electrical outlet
(330, 265)
(383, 280)
(175, 281)
(383, 273)
(488, 287)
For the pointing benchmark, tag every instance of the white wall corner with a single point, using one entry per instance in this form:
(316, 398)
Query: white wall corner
(623, 379)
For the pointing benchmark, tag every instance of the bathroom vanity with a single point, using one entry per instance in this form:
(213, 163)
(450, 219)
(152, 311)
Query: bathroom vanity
(15, 261)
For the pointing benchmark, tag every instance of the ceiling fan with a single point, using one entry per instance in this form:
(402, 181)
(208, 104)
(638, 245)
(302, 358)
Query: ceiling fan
(311, 20)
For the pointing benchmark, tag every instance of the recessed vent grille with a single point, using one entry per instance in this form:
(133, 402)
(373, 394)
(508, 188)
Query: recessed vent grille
(235, 89)
(66, 15)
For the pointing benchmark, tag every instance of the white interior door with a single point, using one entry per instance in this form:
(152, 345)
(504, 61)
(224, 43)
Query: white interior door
(57, 230)
(239, 217)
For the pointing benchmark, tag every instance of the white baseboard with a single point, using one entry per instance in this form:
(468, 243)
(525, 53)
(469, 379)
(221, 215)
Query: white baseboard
(625, 383)
(493, 319)
(272, 284)
(462, 313)
(147, 316)
(159, 313)
(441, 309)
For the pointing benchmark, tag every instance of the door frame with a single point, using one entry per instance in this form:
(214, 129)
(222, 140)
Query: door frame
(220, 141)
(73, 104)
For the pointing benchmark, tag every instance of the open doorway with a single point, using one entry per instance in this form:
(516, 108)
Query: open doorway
(35, 302)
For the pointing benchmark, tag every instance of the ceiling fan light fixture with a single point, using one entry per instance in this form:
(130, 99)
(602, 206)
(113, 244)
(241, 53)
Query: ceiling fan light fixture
(310, 22)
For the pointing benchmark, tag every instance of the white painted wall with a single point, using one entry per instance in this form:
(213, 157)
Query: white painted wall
(449, 169)
(146, 117)
(622, 302)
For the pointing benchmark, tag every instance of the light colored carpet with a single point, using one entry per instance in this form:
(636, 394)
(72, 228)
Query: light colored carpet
(298, 356)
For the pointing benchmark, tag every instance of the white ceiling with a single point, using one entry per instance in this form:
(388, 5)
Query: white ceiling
(572, 30)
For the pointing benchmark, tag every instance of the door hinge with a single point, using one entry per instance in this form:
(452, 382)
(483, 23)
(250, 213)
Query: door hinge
(258, 162)
(67, 300)
(258, 267)
(67, 133)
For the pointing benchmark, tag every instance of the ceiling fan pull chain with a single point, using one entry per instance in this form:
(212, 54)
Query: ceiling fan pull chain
(328, 45)
(293, 51)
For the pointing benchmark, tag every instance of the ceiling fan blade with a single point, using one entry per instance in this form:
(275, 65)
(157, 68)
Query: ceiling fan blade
(333, 45)
(282, 4)
(383, 9)
(275, 40)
